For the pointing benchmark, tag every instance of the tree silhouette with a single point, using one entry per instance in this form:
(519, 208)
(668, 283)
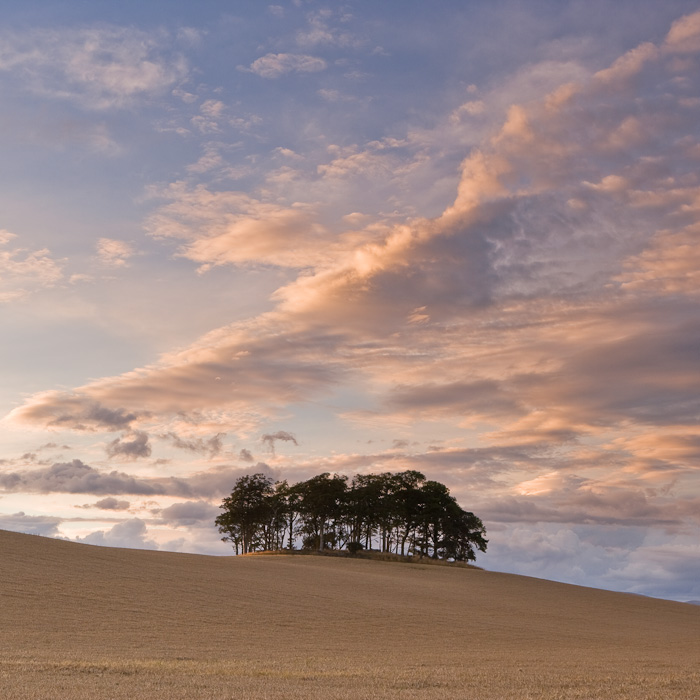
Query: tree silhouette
(402, 513)
(321, 506)
(247, 513)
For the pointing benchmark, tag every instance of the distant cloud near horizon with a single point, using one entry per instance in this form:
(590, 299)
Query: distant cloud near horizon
(130, 533)
(44, 525)
(77, 477)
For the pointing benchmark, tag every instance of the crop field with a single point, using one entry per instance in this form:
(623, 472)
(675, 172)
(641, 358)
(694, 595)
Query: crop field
(89, 623)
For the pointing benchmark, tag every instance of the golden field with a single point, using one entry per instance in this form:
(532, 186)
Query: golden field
(86, 622)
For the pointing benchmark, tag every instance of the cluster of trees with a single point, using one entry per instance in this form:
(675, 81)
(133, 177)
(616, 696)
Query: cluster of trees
(402, 513)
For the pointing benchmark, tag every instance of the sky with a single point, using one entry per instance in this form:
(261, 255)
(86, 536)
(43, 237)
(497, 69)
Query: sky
(354, 237)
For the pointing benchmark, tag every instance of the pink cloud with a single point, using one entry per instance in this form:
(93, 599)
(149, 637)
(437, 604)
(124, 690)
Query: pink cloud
(684, 35)
(233, 228)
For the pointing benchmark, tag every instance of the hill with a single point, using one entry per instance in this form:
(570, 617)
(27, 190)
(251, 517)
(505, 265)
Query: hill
(80, 622)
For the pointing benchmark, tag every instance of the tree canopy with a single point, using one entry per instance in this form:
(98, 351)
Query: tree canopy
(402, 513)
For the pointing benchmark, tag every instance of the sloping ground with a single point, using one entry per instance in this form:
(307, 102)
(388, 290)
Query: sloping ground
(89, 622)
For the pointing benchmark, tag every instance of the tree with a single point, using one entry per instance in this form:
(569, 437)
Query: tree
(248, 512)
(288, 503)
(407, 504)
(462, 533)
(433, 501)
(364, 507)
(401, 512)
(321, 505)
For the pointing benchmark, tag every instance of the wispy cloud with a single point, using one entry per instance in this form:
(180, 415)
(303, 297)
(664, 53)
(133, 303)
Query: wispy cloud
(275, 65)
(228, 227)
(211, 446)
(114, 253)
(99, 68)
(24, 271)
(269, 439)
(320, 31)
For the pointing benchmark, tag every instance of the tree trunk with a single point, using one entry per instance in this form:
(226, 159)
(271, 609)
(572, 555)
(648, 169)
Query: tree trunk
(291, 532)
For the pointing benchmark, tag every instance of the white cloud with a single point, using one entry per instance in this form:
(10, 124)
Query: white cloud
(274, 65)
(190, 513)
(620, 558)
(99, 68)
(471, 108)
(114, 253)
(45, 525)
(321, 33)
(335, 96)
(130, 533)
(186, 97)
(23, 272)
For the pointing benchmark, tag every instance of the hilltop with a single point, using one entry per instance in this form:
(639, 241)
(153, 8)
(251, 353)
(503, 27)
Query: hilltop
(79, 621)
(369, 554)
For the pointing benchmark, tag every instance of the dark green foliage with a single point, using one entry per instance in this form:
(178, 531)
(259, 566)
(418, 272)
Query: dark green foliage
(321, 506)
(402, 513)
(354, 547)
(248, 512)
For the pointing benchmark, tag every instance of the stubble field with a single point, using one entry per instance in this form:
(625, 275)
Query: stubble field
(81, 622)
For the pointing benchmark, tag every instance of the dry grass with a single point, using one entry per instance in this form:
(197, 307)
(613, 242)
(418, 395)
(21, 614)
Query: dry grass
(81, 622)
(370, 554)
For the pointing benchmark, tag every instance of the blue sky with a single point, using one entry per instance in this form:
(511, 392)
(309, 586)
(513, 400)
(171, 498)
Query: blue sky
(460, 238)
